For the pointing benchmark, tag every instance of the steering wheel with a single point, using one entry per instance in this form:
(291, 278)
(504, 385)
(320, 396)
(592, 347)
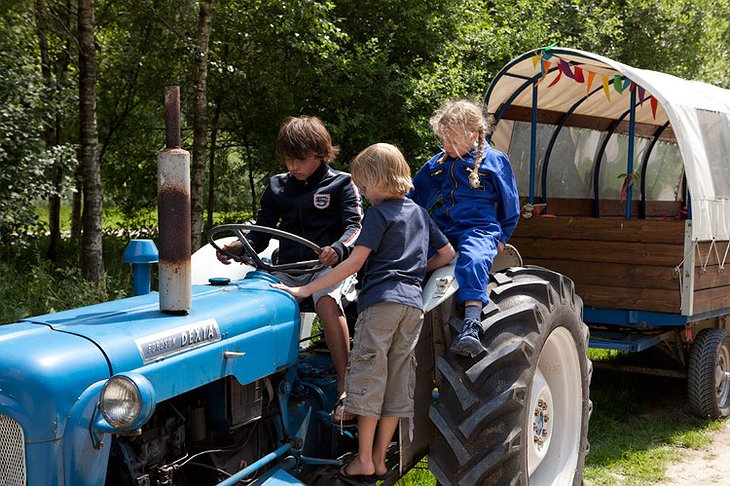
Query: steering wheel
(240, 230)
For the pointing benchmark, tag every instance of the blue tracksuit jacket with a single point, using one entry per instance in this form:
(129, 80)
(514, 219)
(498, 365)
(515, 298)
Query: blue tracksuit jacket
(474, 220)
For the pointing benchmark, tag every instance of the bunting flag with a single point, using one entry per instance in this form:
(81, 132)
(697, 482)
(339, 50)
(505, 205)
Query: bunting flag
(617, 84)
(591, 75)
(544, 69)
(560, 73)
(578, 73)
(581, 75)
(565, 67)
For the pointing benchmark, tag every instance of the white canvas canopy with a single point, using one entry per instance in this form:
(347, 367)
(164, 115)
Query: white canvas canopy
(698, 114)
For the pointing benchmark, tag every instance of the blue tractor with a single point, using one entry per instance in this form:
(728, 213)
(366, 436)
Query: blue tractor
(232, 388)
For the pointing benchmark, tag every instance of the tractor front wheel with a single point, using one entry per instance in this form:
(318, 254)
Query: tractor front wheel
(517, 413)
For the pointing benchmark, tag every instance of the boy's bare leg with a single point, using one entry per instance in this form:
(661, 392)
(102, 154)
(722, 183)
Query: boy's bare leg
(337, 336)
(363, 462)
(383, 436)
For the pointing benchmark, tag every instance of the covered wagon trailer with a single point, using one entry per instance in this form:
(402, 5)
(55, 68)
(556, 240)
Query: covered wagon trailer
(624, 175)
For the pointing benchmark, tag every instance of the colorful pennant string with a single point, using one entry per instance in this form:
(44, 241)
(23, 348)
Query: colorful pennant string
(581, 75)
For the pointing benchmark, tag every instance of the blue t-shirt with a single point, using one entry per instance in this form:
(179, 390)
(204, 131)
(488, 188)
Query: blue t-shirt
(399, 232)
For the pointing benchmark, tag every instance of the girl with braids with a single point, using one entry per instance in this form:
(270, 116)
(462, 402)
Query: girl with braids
(479, 206)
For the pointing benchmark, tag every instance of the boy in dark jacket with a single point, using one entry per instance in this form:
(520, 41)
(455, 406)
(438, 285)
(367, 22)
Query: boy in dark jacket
(318, 203)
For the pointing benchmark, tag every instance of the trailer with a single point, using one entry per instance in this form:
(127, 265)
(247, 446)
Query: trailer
(625, 181)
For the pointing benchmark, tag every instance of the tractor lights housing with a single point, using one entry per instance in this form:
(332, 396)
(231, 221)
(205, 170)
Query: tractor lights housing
(127, 401)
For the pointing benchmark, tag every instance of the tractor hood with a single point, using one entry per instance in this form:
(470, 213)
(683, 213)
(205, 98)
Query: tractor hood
(245, 329)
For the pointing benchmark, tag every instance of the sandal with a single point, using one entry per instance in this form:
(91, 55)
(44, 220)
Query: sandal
(383, 477)
(355, 479)
(340, 417)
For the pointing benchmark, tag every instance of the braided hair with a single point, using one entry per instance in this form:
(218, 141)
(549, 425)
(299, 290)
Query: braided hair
(463, 116)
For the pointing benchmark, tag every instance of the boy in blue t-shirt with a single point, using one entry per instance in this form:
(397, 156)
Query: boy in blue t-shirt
(393, 246)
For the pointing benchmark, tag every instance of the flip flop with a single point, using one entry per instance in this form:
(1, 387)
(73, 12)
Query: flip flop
(383, 477)
(356, 479)
(342, 421)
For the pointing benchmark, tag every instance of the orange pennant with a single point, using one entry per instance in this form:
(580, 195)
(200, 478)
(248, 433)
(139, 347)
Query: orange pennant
(545, 70)
(591, 75)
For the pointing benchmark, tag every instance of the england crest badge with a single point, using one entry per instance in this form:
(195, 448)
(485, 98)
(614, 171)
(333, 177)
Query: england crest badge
(321, 201)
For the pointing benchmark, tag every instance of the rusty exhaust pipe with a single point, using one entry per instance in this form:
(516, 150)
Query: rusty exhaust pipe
(173, 213)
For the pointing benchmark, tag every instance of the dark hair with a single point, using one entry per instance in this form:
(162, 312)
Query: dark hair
(301, 136)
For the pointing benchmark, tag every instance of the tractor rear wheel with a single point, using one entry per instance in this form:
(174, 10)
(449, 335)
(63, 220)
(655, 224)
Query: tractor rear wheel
(708, 374)
(517, 413)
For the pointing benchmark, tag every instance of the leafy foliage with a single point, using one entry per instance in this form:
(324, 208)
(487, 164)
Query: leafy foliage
(372, 70)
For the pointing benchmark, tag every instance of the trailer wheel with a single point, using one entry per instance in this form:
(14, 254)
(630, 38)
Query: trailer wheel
(517, 414)
(708, 377)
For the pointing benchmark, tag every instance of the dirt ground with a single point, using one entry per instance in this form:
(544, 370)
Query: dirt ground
(708, 466)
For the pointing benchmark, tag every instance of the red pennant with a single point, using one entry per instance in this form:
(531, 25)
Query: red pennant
(654, 104)
(632, 86)
(578, 73)
(560, 73)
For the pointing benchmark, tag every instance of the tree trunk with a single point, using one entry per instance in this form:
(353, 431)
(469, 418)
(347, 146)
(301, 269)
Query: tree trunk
(252, 185)
(200, 121)
(49, 137)
(92, 262)
(76, 203)
(211, 162)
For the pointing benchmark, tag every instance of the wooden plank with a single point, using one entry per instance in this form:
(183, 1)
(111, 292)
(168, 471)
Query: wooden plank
(654, 300)
(635, 253)
(615, 274)
(560, 206)
(550, 117)
(711, 299)
(581, 228)
(706, 255)
(713, 276)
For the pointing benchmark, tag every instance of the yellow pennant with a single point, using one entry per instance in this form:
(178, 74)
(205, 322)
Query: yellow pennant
(605, 87)
(535, 60)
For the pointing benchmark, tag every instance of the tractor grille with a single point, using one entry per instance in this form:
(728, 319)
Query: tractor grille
(12, 453)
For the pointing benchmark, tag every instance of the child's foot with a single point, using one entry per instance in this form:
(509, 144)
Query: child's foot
(357, 473)
(467, 343)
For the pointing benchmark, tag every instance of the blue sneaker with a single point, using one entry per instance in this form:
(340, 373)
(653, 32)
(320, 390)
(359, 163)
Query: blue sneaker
(467, 343)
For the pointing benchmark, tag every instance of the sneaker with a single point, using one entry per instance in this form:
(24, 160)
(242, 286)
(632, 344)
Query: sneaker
(467, 343)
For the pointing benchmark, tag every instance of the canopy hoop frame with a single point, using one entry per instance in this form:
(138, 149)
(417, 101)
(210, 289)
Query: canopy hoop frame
(553, 139)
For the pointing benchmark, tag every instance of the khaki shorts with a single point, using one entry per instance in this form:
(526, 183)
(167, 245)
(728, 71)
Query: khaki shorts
(343, 292)
(381, 371)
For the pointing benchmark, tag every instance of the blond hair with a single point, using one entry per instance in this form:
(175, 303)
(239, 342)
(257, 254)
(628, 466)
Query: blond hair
(461, 116)
(382, 167)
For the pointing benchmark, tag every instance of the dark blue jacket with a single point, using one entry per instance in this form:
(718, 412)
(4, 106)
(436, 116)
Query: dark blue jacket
(494, 206)
(325, 209)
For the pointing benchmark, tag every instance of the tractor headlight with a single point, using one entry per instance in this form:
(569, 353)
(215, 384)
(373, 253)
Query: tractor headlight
(127, 400)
